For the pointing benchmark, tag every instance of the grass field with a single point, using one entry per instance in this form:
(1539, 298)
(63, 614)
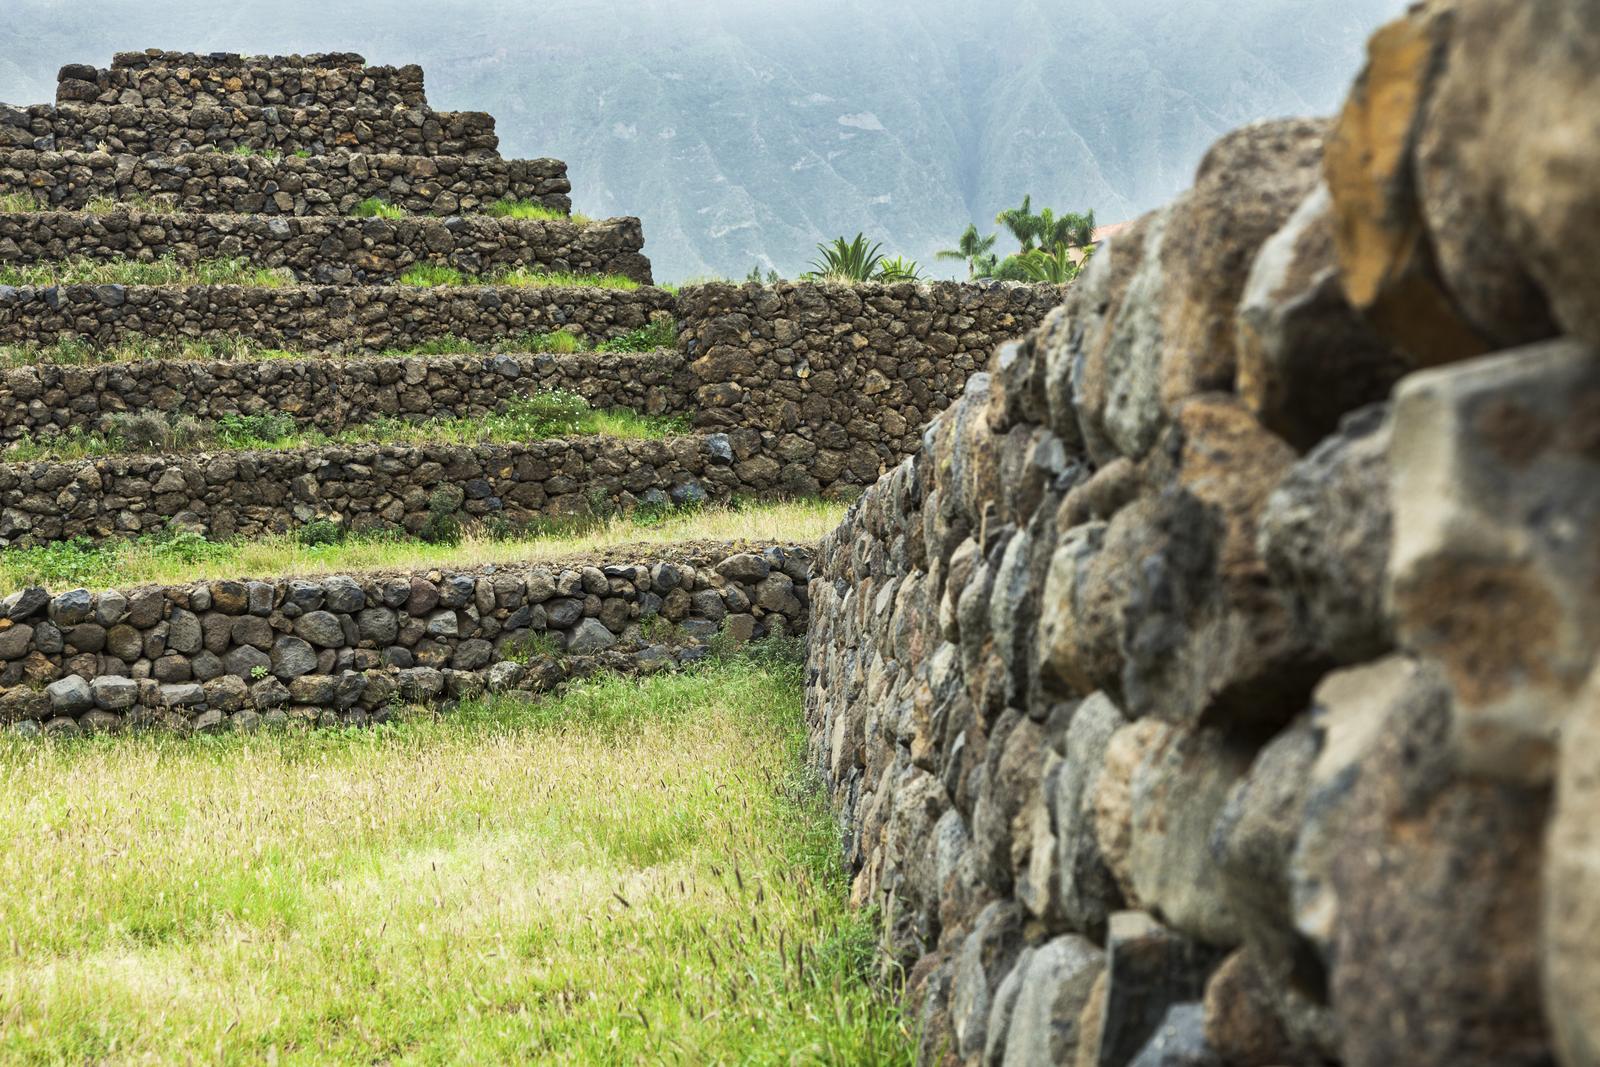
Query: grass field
(635, 872)
(172, 560)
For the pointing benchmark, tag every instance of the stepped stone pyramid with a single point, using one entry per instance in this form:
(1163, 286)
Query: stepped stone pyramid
(362, 257)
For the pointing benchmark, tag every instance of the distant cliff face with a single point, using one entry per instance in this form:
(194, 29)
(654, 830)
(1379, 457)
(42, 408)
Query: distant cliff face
(747, 130)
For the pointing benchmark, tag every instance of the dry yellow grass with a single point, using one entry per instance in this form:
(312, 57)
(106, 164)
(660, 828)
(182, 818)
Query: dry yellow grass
(126, 564)
(631, 873)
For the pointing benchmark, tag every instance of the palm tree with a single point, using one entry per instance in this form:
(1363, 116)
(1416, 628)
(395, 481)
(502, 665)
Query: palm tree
(1056, 266)
(1070, 229)
(972, 248)
(1022, 222)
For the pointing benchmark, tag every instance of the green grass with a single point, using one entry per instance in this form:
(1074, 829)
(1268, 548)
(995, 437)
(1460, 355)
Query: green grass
(634, 872)
(18, 203)
(527, 209)
(176, 558)
(374, 208)
(164, 271)
(660, 334)
(429, 275)
(556, 413)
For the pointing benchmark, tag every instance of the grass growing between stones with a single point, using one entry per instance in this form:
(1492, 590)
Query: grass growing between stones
(552, 414)
(632, 872)
(180, 557)
(163, 271)
(660, 334)
(433, 276)
(527, 209)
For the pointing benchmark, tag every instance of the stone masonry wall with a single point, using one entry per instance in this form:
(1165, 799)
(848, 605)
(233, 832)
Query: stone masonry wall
(332, 184)
(331, 251)
(321, 317)
(1217, 683)
(330, 394)
(178, 81)
(834, 383)
(367, 487)
(344, 650)
(168, 131)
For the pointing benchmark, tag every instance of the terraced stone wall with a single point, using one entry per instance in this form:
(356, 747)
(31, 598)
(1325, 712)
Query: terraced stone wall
(274, 128)
(341, 650)
(342, 251)
(308, 317)
(176, 80)
(332, 184)
(834, 382)
(331, 394)
(1217, 682)
(368, 487)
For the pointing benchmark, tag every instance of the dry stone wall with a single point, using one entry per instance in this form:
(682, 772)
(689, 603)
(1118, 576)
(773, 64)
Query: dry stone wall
(177, 81)
(367, 488)
(324, 185)
(836, 382)
(320, 317)
(341, 251)
(271, 128)
(1217, 683)
(345, 650)
(331, 393)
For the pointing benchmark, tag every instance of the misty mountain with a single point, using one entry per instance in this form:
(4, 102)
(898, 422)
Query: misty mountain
(745, 131)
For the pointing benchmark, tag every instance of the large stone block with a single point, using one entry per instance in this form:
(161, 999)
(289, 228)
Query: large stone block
(1571, 934)
(1305, 356)
(1386, 259)
(1497, 543)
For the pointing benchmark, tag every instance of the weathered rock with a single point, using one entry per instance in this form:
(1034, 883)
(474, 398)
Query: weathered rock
(1213, 232)
(1386, 259)
(1052, 991)
(588, 637)
(1305, 356)
(1180, 1041)
(1178, 788)
(1497, 533)
(70, 696)
(1088, 892)
(1571, 968)
(114, 694)
(1241, 1017)
(1325, 535)
(292, 657)
(1150, 969)
(320, 628)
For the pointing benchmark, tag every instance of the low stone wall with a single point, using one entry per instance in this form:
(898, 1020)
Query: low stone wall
(166, 131)
(161, 57)
(332, 184)
(838, 381)
(332, 393)
(310, 318)
(346, 650)
(1195, 694)
(300, 81)
(331, 251)
(369, 488)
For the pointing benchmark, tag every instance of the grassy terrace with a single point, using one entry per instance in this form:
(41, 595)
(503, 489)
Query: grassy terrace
(533, 418)
(632, 872)
(168, 271)
(661, 334)
(179, 558)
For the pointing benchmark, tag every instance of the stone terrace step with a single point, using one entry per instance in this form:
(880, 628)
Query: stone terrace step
(139, 130)
(370, 487)
(242, 84)
(331, 250)
(338, 649)
(365, 318)
(157, 57)
(330, 394)
(331, 184)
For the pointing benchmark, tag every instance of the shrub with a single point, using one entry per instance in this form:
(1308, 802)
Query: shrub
(430, 274)
(254, 431)
(319, 532)
(847, 261)
(661, 333)
(375, 208)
